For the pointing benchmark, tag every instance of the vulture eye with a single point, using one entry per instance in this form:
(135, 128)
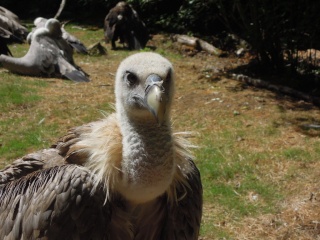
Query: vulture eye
(130, 78)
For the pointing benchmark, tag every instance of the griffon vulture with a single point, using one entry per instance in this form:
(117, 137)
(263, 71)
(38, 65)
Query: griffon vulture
(11, 30)
(74, 42)
(11, 22)
(49, 55)
(122, 22)
(127, 176)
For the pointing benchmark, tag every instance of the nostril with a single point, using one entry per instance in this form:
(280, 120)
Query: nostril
(153, 78)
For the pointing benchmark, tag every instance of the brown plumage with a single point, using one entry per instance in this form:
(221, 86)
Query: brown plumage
(123, 22)
(11, 22)
(135, 178)
(11, 30)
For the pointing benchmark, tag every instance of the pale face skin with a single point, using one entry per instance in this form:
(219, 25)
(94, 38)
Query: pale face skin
(144, 91)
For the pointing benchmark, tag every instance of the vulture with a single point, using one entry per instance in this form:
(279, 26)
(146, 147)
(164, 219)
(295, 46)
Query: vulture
(122, 22)
(74, 42)
(49, 55)
(126, 176)
(11, 30)
(11, 22)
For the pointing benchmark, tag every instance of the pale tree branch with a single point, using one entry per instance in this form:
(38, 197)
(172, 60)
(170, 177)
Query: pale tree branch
(62, 4)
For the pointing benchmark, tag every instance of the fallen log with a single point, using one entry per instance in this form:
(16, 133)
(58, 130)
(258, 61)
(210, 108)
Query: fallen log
(198, 44)
(276, 88)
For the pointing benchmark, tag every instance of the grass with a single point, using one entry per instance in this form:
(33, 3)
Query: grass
(257, 164)
(22, 140)
(229, 179)
(15, 93)
(18, 134)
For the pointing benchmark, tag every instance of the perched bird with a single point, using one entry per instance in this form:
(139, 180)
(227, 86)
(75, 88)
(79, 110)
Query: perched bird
(74, 42)
(122, 22)
(11, 22)
(49, 55)
(127, 176)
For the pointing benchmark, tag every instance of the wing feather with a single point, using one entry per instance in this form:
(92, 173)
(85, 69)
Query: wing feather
(47, 204)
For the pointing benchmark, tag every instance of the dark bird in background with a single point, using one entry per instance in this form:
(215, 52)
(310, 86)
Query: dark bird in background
(74, 42)
(127, 176)
(49, 55)
(11, 30)
(123, 23)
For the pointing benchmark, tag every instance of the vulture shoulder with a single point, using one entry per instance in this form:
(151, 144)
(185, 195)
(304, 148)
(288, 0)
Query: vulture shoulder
(30, 163)
(57, 203)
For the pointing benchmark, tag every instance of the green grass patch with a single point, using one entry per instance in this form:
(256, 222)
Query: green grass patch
(19, 132)
(16, 92)
(297, 154)
(21, 140)
(212, 231)
(228, 180)
(232, 182)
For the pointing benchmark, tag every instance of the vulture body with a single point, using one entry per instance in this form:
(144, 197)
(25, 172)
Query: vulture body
(49, 55)
(127, 176)
(11, 22)
(122, 22)
(11, 30)
(56, 203)
(74, 42)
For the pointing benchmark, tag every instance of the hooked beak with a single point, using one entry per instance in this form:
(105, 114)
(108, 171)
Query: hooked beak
(155, 97)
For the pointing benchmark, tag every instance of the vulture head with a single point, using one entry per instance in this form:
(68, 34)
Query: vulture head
(40, 21)
(144, 88)
(51, 28)
(54, 27)
(144, 91)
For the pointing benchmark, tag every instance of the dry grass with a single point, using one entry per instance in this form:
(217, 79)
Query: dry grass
(254, 129)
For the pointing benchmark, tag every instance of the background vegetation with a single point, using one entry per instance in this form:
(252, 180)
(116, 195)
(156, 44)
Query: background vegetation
(274, 30)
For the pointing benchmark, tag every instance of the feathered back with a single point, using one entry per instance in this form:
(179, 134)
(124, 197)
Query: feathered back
(52, 203)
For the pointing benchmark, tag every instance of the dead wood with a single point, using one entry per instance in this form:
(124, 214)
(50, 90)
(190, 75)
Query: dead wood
(198, 44)
(277, 88)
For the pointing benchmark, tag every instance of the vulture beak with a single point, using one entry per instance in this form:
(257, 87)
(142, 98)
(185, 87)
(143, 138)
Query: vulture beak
(155, 97)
